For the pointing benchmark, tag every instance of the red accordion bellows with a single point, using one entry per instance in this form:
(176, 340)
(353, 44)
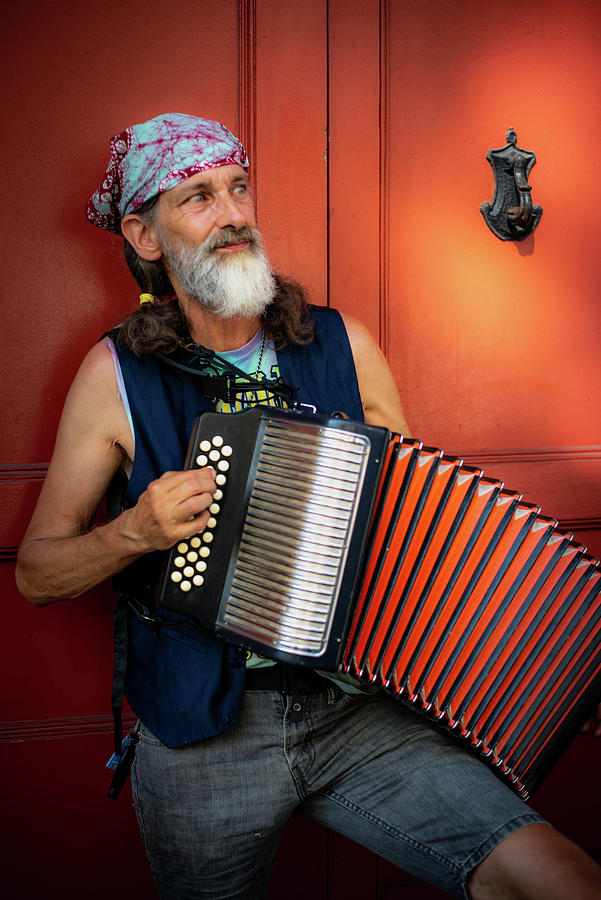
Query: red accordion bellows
(477, 611)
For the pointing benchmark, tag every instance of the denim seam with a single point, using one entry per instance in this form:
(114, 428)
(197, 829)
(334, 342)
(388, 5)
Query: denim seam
(140, 817)
(308, 745)
(477, 855)
(146, 737)
(299, 783)
(390, 829)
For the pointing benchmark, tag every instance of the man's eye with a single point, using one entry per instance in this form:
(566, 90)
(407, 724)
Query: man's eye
(198, 198)
(241, 189)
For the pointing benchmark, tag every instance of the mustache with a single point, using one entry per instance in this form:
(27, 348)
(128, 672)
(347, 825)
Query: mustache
(231, 236)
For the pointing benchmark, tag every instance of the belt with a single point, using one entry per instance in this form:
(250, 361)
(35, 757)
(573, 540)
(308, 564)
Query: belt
(286, 679)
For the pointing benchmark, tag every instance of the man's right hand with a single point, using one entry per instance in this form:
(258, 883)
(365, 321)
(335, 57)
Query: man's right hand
(172, 508)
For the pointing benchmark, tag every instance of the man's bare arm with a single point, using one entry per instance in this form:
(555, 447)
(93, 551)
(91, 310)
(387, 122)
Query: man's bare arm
(60, 557)
(379, 394)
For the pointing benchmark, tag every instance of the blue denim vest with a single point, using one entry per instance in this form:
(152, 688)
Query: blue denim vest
(184, 685)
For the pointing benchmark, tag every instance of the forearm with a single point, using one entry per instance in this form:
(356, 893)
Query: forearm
(61, 568)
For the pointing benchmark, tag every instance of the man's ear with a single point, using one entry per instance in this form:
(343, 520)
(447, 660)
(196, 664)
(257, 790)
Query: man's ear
(142, 236)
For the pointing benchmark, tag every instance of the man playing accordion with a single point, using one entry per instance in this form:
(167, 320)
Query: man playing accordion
(230, 744)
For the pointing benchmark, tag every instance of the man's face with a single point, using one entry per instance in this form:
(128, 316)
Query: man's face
(205, 204)
(212, 249)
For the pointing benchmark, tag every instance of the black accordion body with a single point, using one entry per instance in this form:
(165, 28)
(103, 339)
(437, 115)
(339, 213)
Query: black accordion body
(344, 547)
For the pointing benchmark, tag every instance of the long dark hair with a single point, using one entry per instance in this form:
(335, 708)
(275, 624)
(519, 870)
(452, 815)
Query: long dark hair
(161, 326)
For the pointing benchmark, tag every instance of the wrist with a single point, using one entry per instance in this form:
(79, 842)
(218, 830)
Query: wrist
(128, 536)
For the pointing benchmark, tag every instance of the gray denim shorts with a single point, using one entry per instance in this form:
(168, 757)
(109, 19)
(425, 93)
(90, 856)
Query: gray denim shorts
(211, 813)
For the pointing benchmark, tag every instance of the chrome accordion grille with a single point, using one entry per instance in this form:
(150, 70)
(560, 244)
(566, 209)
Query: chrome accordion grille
(295, 538)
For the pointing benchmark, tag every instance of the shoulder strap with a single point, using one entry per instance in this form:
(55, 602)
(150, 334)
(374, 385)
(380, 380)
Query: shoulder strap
(224, 387)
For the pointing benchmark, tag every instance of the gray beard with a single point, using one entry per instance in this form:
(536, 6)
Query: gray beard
(237, 284)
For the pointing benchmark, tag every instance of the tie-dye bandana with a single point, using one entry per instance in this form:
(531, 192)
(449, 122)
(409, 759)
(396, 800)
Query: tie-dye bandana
(155, 156)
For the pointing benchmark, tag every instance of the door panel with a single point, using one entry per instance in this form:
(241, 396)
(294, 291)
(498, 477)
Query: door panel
(494, 345)
(368, 124)
(66, 840)
(291, 124)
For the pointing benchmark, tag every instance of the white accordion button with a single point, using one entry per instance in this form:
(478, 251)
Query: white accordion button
(201, 461)
(218, 495)
(195, 542)
(205, 551)
(223, 465)
(205, 446)
(182, 547)
(201, 566)
(217, 441)
(185, 586)
(176, 576)
(179, 561)
(198, 580)
(188, 571)
(192, 556)
(226, 451)
(214, 508)
(211, 523)
(220, 480)
(207, 537)
(214, 455)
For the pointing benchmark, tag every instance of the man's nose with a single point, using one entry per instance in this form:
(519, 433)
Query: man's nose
(229, 214)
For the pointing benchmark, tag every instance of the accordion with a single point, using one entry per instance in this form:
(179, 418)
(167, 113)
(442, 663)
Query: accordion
(345, 547)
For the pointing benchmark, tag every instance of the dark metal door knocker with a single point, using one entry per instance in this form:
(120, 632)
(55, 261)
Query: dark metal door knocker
(511, 215)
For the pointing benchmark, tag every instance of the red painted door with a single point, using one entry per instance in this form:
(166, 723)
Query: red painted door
(368, 123)
(495, 346)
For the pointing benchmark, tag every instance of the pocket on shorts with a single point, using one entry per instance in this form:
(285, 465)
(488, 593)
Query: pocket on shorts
(147, 737)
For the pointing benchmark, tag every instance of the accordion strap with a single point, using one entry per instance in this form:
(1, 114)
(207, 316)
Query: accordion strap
(211, 386)
(226, 386)
(119, 667)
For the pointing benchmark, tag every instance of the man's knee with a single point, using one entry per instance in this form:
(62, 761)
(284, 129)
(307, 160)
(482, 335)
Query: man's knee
(536, 863)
